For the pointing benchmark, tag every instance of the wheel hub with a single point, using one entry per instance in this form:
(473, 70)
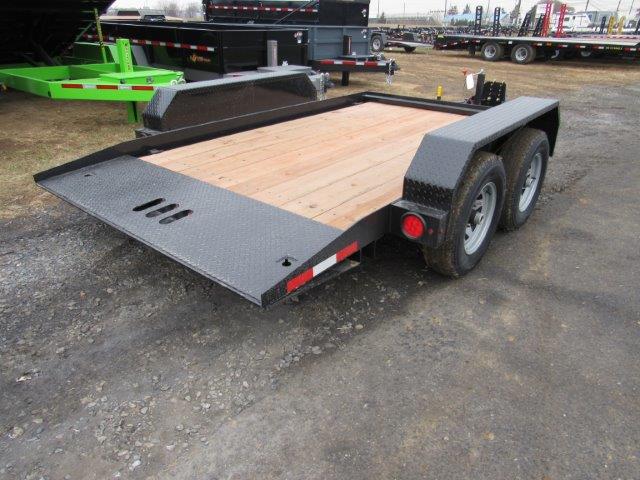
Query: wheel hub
(479, 221)
(531, 181)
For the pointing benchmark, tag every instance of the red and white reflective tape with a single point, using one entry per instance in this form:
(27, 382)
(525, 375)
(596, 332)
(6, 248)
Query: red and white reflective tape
(306, 276)
(89, 86)
(156, 43)
(354, 63)
(262, 9)
(630, 49)
(625, 37)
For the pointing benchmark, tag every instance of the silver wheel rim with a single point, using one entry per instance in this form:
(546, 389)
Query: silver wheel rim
(480, 218)
(376, 44)
(521, 54)
(490, 51)
(531, 182)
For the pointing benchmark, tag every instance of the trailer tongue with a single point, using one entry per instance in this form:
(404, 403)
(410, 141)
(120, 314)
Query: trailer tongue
(267, 203)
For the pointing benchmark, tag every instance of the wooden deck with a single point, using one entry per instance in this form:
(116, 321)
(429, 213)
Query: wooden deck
(335, 167)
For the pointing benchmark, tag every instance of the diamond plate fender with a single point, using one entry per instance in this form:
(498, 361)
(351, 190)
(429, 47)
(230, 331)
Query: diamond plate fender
(440, 162)
(179, 106)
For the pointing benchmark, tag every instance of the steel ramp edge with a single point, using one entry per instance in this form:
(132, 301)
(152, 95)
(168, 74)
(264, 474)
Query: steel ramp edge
(231, 239)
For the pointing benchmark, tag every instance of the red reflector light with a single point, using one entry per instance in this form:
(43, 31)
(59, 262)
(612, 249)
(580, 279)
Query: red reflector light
(412, 226)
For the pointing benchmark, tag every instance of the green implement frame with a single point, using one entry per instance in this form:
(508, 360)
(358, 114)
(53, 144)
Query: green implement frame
(119, 81)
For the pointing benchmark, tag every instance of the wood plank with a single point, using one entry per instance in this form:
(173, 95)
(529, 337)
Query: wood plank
(342, 116)
(349, 213)
(348, 188)
(335, 167)
(270, 145)
(298, 184)
(268, 173)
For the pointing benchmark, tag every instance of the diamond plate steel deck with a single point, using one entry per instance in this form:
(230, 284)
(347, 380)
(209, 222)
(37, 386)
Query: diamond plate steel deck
(229, 238)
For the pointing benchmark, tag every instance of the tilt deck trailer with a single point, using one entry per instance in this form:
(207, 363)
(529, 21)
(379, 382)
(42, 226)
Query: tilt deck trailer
(524, 50)
(271, 203)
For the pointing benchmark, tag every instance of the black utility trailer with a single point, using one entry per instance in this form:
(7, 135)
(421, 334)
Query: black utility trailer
(274, 202)
(524, 50)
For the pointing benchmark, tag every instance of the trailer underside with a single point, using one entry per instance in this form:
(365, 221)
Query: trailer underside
(336, 167)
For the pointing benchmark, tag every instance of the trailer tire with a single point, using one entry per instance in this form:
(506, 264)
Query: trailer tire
(376, 43)
(525, 156)
(492, 51)
(523, 53)
(483, 184)
(409, 49)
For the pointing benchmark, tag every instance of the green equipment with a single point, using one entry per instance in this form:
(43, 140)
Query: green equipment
(119, 81)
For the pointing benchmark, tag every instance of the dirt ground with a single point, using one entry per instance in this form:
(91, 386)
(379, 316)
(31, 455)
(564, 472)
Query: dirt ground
(116, 362)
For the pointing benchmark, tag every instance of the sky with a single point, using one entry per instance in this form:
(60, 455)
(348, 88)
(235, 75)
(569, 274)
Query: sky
(426, 6)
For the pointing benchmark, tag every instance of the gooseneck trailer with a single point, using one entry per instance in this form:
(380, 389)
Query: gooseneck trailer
(273, 202)
(524, 50)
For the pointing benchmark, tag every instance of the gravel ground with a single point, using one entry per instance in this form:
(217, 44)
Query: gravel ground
(116, 362)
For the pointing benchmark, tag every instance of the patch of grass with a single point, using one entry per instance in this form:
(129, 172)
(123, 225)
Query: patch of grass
(37, 134)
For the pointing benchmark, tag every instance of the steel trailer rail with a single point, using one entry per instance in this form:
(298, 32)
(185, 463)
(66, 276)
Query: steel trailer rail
(525, 50)
(270, 203)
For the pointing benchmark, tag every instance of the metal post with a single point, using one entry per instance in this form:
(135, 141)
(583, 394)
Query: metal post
(346, 50)
(272, 53)
(618, 7)
(477, 98)
(125, 65)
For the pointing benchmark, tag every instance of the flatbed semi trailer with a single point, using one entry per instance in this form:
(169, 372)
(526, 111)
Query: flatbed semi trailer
(524, 50)
(274, 202)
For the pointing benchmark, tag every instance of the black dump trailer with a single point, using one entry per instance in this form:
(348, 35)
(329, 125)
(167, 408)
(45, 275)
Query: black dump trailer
(36, 31)
(207, 50)
(271, 203)
(318, 12)
(338, 34)
(524, 50)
